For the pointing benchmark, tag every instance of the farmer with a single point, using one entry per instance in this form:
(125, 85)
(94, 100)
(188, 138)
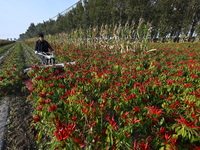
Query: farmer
(42, 45)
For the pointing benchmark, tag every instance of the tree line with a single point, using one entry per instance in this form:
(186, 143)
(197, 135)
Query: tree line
(168, 18)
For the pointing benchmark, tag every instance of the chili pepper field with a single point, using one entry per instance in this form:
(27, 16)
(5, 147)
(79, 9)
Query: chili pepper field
(109, 100)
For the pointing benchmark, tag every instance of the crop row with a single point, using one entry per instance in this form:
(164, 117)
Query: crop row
(119, 100)
(5, 42)
(11, 74)
(5, 48)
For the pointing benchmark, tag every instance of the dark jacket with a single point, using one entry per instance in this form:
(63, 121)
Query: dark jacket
(42, 46)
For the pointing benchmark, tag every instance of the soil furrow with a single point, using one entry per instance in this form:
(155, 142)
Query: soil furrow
(19, 135)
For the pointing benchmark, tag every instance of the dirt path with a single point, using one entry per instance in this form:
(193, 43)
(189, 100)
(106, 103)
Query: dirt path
(19, 135)
(15, 129)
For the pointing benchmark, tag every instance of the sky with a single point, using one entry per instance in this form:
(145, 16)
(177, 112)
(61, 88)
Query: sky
(17, 15)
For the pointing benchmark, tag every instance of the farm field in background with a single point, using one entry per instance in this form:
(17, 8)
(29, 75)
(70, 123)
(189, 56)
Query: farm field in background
(109, 99)
(5, 42)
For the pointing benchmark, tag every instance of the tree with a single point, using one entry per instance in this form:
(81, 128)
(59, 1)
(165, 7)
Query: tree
(118, 12)
(31, 32)
(193, 16)
(136, 9)
(169, 18)
(79, 15)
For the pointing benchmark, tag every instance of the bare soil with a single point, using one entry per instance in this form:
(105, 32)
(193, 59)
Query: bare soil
(19, 135)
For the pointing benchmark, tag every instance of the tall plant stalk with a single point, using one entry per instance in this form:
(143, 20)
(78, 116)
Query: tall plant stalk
(114, 37)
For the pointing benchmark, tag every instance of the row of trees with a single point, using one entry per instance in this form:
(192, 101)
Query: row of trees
(168, 18)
